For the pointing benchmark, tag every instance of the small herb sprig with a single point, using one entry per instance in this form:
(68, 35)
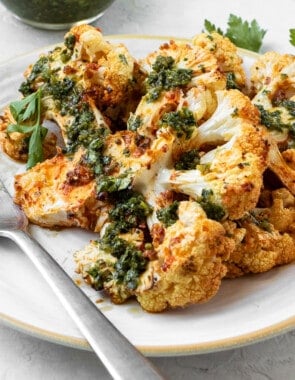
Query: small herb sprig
(292, 36)
(27, 115)
(242, 33)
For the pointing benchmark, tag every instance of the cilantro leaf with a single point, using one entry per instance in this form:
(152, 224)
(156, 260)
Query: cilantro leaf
(292, 36)
(242, 33)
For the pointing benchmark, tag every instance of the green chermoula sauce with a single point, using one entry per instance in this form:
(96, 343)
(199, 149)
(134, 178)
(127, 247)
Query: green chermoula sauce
(56, 11)
(165, 75)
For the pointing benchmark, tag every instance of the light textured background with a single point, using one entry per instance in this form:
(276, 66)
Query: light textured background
(23, 357)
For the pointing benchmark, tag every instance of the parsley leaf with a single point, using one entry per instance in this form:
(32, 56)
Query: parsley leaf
(292, 36)
(211, 27)
(27, 114)
(242, 33)
(35, 146)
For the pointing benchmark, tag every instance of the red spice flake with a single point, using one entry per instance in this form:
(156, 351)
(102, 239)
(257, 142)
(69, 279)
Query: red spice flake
(158, 234)
(69, 70)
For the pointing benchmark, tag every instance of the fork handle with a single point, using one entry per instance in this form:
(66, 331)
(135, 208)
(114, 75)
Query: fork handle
(119, 356)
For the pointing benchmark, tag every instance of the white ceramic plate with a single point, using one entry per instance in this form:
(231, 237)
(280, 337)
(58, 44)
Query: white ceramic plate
(245, 310)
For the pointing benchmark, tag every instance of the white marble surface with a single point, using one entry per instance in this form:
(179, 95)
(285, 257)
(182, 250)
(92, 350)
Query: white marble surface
(24, 357)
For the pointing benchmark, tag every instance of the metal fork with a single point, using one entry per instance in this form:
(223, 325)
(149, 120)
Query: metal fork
(119, 356)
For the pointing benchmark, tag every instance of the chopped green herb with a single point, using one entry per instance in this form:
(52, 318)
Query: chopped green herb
(182, 121)
(165, 76)
(41, 69)
(133, 123)
(271, 119)
(66, 53)
(70, 41)
(123, 59)
(168, 215)
(288, 104)
(112, 184)
(130, 210)
(231, 82)
(101, 273)
(260, 220)
(188, 160)
(212, 209)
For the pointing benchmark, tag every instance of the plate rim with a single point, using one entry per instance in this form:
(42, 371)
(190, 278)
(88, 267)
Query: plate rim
(153, 350)
(158, 351)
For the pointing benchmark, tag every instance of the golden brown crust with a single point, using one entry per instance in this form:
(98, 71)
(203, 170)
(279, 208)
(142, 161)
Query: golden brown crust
(265, 242)
(189, 267)
(225, 52)
(53, 194)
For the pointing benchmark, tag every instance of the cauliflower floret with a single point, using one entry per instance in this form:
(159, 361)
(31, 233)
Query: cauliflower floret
(111, 74)
(227, 57)
(270, 69)
(260, 251)
(273, 80)
(197, 67)
(266, 235)
(117, 275)
(188, 268)
(89, 43)
(282, 211)
(177, 74)
(145, 121)
(273, 83)
(79, 126)
(289, 157)
(233, 107)
(86, 67)
(184, 111)
(116, 261)
(229, 176)
(280, 167)
(60, 192)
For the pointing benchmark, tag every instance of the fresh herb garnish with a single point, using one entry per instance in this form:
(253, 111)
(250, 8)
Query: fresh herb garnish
(210, 27)
(27, 115)
(242, 33)
(292, 36)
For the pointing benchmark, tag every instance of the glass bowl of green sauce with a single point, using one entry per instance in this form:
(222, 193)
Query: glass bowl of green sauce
(57, 14)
